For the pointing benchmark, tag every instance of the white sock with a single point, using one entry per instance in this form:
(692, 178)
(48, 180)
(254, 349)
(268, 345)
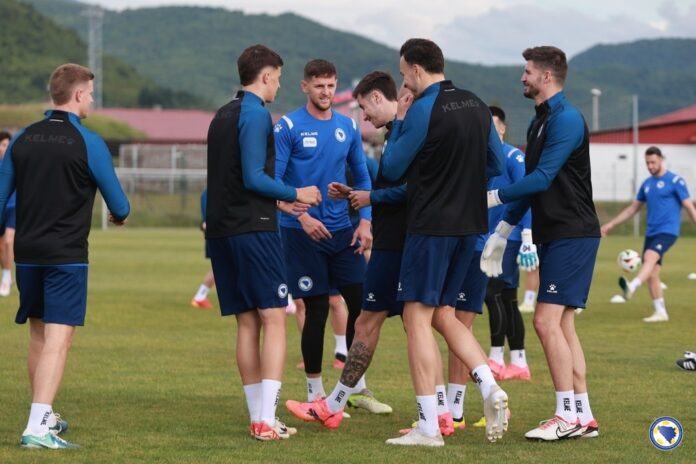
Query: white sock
(496, 354)
(455, 399)
(564, 406)
(441, 396)
(484, 379)
(660, 307)
(253, 395)
(518, 358)
(529, 297)
(270, 394)
(202, 293)
(361, 385)
(634, 284)
(338, 398)
(38, 418)
(6, 275)
(582, 408)
(315, 388)
(427, 415)
(341, 347)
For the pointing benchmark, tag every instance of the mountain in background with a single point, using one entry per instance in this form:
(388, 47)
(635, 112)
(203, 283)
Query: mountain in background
(33, 46)
(194, 50)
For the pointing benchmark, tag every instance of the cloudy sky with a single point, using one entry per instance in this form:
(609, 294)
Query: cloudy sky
(479, 31)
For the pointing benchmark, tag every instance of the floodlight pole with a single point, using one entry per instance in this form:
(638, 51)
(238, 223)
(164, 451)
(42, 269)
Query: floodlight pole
(596, 93)
(636, 218)
(95, 15)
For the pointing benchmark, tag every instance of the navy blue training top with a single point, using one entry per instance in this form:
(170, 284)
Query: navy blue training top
(56, 166)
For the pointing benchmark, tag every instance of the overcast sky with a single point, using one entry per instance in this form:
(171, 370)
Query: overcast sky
(479, 31)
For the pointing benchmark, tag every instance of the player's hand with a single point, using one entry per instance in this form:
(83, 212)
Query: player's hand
(492, 255)
(404, 103)
(116, 222)
(362, 237)
(294, 208)
(339, 191)
(203, 226)
(359, 198)
(527, 258)
(314, 227)
(605, 229)
(309, 195)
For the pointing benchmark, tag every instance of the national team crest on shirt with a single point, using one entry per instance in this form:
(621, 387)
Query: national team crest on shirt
(340, 135)
(660, 184)
(305, 283)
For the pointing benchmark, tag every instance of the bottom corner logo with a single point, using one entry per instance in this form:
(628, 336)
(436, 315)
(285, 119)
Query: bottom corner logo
(666, 433)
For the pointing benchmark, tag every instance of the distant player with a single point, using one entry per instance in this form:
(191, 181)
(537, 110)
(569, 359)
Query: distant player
(566, 229)
(200, 299)
(444, 142)
(501, 295)
(323, 250)
(56, 166)
(376, 96)
(242, 234)
(665, 193)
(7, 229)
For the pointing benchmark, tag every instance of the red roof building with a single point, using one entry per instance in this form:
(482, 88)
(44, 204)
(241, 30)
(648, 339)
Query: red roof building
(678, 127)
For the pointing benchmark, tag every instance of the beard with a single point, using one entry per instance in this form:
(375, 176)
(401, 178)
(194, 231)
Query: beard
(530, 92)
(318, 105)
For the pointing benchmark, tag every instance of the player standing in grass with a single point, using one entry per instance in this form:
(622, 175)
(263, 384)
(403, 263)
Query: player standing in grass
(7, 229)
(242, 233)
(558, 187)
(444, 142)
(56, 166)
(200, 299)
(323, 250)
(665, 193)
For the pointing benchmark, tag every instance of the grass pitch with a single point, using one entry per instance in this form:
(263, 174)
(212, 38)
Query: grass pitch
(152, 380)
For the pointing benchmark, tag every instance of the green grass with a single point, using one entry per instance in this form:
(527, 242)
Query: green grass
(152, 380)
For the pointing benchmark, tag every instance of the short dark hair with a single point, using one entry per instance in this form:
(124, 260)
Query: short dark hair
(5, 135)
(653, 150)
(376, 80)
(319, 68)
(253, 60)
(549, 58)
(63, 80)
(497, 112)
(425, 53)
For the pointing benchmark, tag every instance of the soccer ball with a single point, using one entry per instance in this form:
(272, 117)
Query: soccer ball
(629, 260)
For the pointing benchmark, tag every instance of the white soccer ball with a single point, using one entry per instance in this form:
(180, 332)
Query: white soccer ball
(629, 260)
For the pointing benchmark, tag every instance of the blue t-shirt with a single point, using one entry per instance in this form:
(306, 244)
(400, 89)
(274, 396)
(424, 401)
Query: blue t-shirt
(311, 151)
(514, 171)
(664, 196)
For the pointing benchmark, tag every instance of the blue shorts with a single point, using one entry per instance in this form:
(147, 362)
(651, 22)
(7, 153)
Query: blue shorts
(433, 268)
(10, 218)
(473, 291)
(659, 243)
(511, 271)
(54, 294)
(207, 250)
(249, 272)
(565, 270)
(314, 268)
(382, 282)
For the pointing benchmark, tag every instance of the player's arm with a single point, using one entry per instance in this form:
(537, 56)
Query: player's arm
(254, 127)
(682, 193)
(406, 139)
(625, 214)
(358, 166)
(7, 177)
(567, 135)
(495, 159)
(102, 170)
(690, 209)
(390, 195)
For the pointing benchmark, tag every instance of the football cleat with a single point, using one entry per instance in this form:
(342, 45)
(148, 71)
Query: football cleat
(459, 423)
(497, 369)
(277, 431)
(688, 364)
(319, 410)
(49, 440)
(415, 437)
(300, 410)
(338, 364)
(201, 304)
(60, 427)
(589, 430)
(656, 317)
(627, 292)
(494, 408)
(515, 372)
(526, 308)
(445, 422)
(554, 429)
(481, 423)
(366, 400)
